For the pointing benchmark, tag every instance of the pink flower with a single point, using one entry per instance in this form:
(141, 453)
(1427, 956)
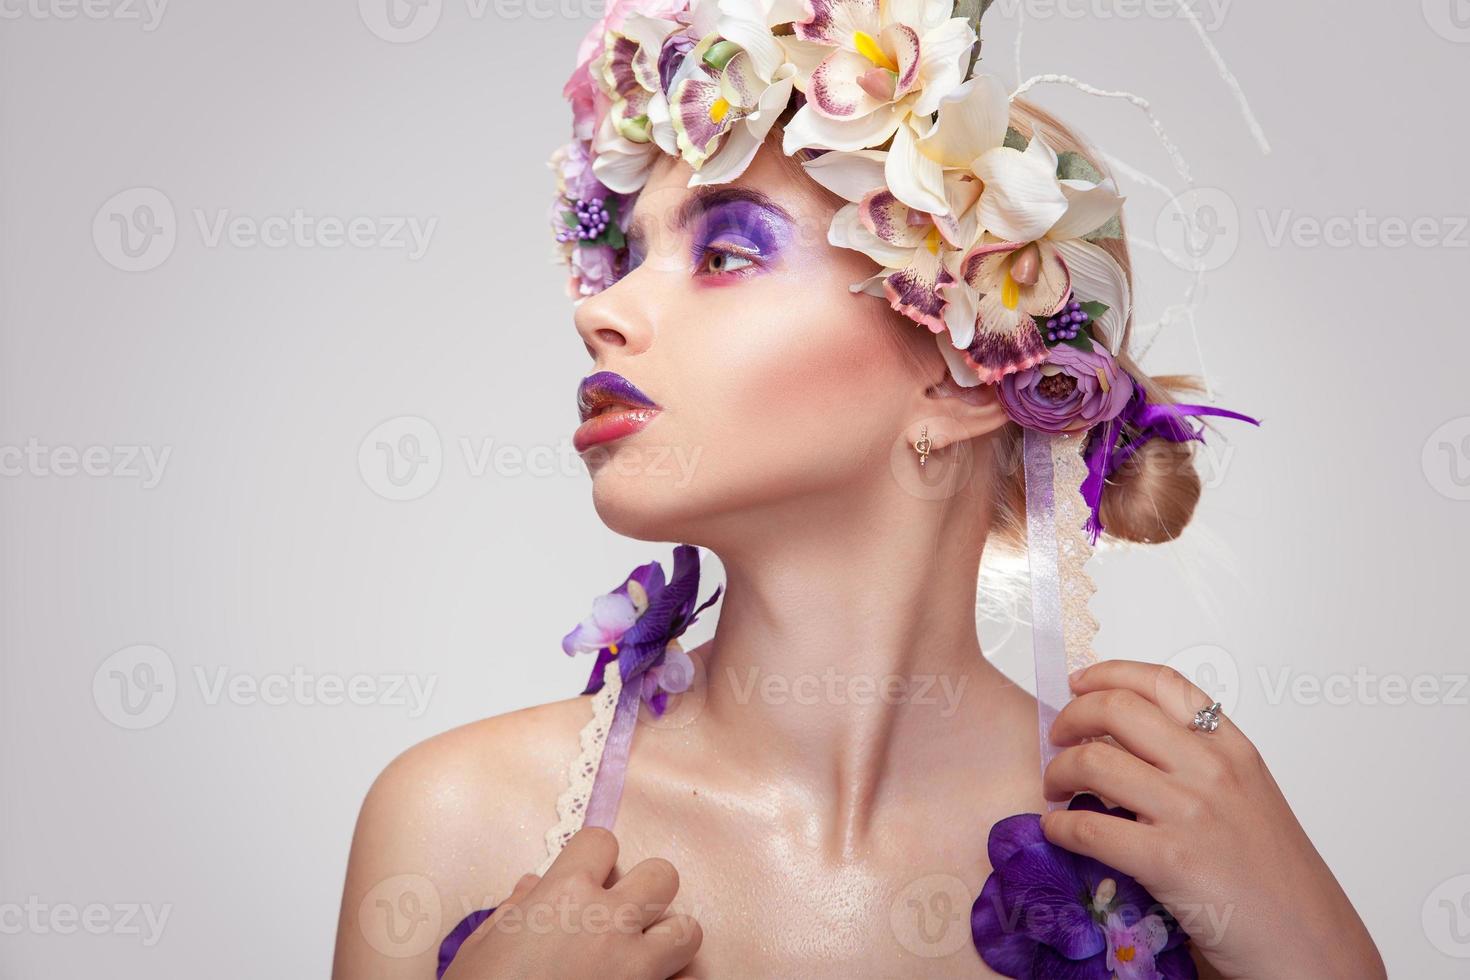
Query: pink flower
(589, 104)
(594, 268)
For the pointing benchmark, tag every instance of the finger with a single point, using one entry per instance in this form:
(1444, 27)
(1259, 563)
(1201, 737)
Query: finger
(1115, 841)
(651, 885)
(591, 850)
(1135, 722)
(1176, 695)
(522, 889)
(525, 885)
(1109, 772)
(520, 893)
(671, 943)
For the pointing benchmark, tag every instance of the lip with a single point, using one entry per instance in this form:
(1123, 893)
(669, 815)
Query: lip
(633, 409)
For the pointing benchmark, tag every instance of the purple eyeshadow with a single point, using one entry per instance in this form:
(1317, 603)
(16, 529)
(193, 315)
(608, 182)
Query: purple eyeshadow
(745, 226)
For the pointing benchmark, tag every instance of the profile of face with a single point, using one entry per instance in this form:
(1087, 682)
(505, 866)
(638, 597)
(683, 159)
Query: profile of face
(778, 387)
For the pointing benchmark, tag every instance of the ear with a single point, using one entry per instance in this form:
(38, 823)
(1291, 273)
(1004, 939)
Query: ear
(956, 414)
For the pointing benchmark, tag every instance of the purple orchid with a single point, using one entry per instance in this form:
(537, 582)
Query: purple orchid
(638, 625)
(1048, 914)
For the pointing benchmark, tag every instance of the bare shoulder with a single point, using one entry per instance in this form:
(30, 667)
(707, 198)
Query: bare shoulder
(448, 827)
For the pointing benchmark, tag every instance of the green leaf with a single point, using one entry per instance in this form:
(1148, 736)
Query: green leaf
(1015, 140)
(1083, 340)
(720, 53)
(614, 236)
(1094, 309)
(570, 217)
(972, 11)
(1072, 165)
(1113, 229)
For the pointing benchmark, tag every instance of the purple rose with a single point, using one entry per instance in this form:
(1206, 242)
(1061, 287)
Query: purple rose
(1070, 391)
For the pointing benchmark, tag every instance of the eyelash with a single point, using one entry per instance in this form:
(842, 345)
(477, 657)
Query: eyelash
(707, 252)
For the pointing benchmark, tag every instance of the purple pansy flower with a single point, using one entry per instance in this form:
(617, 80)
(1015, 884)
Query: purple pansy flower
(639, 623)
(1046, 913)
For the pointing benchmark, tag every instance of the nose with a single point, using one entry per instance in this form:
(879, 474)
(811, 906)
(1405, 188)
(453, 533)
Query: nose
(617, 319)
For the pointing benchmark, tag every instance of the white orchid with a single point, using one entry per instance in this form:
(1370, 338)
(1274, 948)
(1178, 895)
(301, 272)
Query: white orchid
(920, 252)
(732, 86)
(1002, 247)
(874, 70)
(1032, 260)
(638, 126)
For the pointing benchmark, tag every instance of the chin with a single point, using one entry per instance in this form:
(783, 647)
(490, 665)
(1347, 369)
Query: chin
(647, 501)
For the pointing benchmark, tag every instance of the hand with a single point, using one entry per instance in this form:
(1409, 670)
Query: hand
(1215, 841)
(568, 924)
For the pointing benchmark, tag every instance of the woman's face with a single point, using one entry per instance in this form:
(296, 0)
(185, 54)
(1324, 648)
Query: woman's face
(777, 385)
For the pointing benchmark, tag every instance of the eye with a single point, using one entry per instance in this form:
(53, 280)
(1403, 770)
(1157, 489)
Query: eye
(721, 260)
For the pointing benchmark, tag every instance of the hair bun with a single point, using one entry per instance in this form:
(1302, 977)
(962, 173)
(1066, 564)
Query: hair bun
(1152, 496)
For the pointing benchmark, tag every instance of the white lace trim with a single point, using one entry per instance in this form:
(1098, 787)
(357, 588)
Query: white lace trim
(1074, 548)
(571, 805)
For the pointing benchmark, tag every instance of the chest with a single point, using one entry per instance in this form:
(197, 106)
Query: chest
(772, 903)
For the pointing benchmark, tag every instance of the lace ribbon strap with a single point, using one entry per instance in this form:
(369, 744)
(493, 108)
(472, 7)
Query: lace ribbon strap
(572, 804)
(1058, 546)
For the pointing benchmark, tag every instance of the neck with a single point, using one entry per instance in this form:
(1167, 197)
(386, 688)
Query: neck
(847, 655)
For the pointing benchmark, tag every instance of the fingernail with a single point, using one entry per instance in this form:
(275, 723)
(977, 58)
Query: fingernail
(1076, 675)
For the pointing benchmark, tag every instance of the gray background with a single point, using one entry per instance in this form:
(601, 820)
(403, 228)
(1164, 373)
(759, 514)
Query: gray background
(1328, 555)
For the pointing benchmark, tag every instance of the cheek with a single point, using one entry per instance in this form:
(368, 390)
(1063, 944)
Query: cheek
(795, 375)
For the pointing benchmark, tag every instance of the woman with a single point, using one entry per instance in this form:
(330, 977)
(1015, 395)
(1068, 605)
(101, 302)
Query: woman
(817, 801)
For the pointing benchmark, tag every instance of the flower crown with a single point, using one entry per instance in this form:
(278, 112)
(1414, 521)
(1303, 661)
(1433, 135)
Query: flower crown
(989, 239)
(984, 237)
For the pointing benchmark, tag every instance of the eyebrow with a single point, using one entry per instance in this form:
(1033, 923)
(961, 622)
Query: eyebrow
(706, 198)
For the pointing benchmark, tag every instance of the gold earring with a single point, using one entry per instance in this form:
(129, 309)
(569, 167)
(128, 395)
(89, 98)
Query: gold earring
(923, 446)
